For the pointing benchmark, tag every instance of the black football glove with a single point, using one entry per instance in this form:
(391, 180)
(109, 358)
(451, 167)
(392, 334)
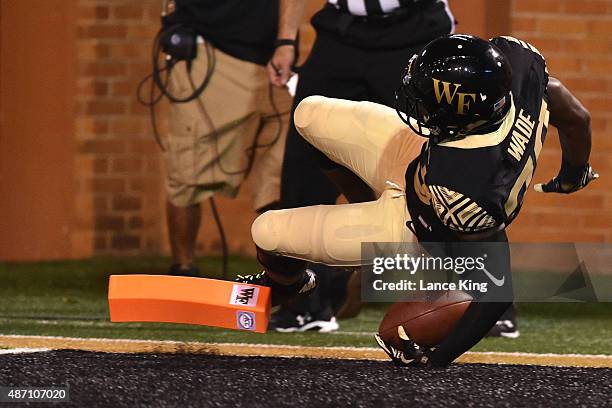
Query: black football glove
(410, 354)
(570, 179)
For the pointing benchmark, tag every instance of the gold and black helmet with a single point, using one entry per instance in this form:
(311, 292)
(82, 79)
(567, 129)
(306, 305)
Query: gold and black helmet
(455, 86)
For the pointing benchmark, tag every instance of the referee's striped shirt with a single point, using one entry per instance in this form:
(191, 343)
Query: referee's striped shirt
(380, 7)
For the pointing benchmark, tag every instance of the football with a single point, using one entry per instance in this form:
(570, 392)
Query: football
(428, 321)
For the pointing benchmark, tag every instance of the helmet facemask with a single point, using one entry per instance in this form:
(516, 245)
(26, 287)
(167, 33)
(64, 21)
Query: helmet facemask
(410, 104)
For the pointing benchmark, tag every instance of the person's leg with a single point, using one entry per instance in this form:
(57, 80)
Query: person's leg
(183, 226)
(304, 181)
(332, 234)
(345, 292)
(183, 210)
(367, 138)
(314, 312)
(385, 78)
(330, 70)
(325, 234)
(343, 77)
(507, 325)
(339, 288)
(350, 185)
(205, 146)
(274, 105)
(380, 71)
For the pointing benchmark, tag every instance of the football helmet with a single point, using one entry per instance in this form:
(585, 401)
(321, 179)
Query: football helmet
(455, 86)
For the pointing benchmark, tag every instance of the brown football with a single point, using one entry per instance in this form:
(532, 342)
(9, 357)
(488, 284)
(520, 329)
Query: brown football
(426, 322)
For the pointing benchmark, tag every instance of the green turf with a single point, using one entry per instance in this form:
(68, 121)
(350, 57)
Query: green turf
(69, 299)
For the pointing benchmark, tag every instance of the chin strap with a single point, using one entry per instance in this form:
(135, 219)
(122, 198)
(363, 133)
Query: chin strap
(396, 187)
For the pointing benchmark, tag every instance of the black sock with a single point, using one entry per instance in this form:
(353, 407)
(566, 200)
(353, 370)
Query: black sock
(281, 268)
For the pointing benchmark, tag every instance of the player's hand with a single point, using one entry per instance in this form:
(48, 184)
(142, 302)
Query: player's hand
(409, 355)
(280, 65)
(566, 182)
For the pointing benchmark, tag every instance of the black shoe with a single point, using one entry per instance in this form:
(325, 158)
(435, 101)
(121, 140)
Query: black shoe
(505, 328)
(282, 293)
(192, 271)
(286, 321)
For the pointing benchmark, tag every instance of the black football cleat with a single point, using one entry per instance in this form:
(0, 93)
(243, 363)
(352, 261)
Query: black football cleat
(282, 293)
(504, 328)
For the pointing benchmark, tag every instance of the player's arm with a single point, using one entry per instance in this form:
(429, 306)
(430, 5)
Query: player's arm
(283, 59)
(482, 313)
(477, 320)
(573, 121)
(486, 308)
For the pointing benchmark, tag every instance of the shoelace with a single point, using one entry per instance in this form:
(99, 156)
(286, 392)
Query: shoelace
(396, 187)
(250, 278)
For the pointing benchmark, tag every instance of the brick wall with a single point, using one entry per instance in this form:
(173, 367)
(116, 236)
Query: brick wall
(117, 164)
(575, 36)
(120, 202)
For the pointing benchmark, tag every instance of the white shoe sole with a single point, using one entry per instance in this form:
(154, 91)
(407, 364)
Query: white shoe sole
(510, 335)
(322, 325)
(327, 327)
(287, 330)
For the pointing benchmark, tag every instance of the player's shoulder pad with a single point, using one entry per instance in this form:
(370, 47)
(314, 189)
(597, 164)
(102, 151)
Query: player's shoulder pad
(503, 41)
(459, 212)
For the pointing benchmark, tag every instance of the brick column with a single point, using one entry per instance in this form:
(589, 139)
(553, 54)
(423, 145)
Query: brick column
(119, 176)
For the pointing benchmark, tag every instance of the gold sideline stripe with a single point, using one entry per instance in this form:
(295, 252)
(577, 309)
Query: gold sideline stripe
(273, 350)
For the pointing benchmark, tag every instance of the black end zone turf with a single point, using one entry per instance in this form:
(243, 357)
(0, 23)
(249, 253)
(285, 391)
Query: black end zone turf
(180, 380)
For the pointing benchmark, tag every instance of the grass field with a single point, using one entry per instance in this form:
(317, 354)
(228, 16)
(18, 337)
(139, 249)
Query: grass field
(69, 299)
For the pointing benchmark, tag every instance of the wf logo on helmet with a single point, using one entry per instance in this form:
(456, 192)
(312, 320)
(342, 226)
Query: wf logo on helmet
(243, 295)
(444, 90)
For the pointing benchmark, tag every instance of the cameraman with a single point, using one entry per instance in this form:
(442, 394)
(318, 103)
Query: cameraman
(235, 127)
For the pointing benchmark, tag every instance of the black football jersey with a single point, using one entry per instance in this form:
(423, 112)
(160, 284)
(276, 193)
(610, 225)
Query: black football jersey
(478, 183)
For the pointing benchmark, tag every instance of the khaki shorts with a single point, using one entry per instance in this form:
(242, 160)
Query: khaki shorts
(210, 138)
(371, 141)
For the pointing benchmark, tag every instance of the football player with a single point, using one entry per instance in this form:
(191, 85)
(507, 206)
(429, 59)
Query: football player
(452, 165)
